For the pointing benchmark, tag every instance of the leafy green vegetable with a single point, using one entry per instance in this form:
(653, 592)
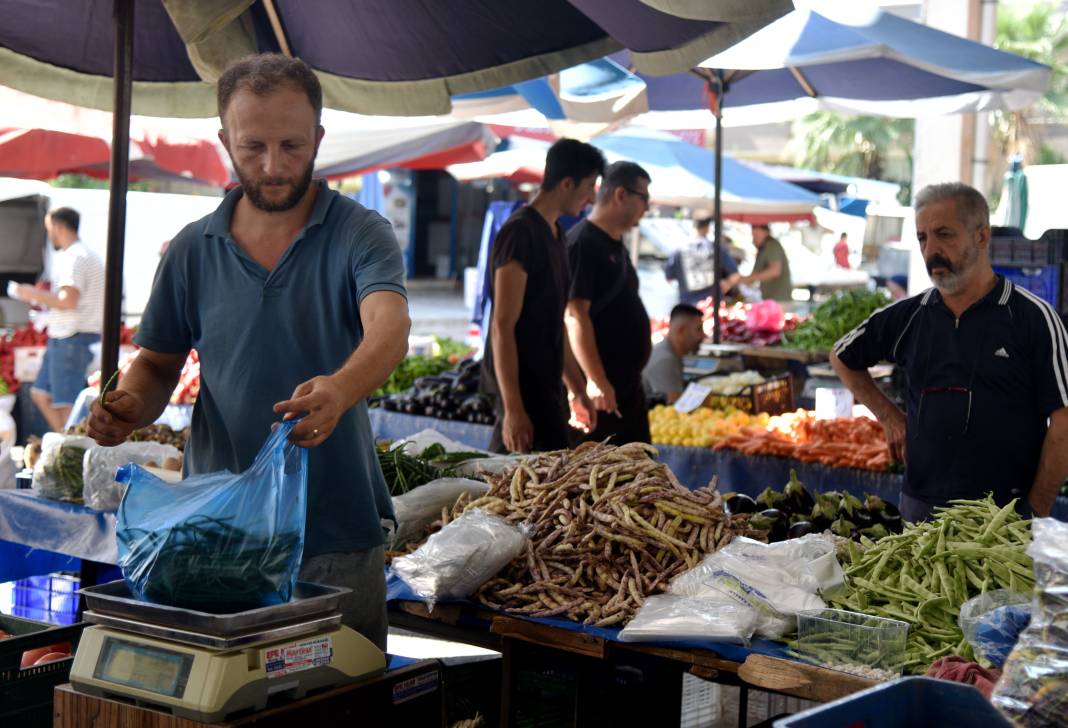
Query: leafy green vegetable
(414, 367)
(833, 319)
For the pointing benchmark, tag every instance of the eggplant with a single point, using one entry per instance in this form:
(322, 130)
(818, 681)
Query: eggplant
(875, 532)
(799, 529)
(798, 499)
(826, 508)
(779, 523)
(843, 528)
(821, 524)
(770, 498)
(739, 503)
(849, 504)
(863, 518)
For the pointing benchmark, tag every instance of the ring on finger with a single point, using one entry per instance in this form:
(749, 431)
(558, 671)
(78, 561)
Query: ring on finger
(315, 432)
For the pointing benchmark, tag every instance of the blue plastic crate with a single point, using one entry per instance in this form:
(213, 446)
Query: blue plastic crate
(1043, 281)
(909, 702)
(55, 593)
(44, 615)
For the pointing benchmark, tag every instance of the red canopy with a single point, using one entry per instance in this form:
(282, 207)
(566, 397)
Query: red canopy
(41, 139)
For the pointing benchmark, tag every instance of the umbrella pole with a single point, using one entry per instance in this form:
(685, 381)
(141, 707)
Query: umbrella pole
(123, 16)
(717, 210)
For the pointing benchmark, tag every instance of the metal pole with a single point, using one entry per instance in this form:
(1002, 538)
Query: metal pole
(123, 16)
(717, 211)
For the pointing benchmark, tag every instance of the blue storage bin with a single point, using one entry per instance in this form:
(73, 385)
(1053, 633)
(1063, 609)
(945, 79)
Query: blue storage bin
(1043, 281)
(43, 615)
(909, 702)
(53, 593)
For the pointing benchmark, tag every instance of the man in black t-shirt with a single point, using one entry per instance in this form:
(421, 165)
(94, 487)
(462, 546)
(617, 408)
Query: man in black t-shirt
(606, 321)
(527, 352)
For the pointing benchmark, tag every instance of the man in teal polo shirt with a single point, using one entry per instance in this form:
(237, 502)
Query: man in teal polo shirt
(294, 298)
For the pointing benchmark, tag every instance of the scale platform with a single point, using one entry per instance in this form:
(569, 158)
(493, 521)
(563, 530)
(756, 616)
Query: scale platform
(207, 667)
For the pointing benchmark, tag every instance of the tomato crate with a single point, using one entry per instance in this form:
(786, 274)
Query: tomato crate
(26, 693)
(1014, 249)
(774, 396)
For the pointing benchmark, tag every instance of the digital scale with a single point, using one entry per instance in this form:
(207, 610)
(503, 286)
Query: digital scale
(206, 667)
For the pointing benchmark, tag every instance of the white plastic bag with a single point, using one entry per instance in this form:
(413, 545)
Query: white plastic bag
(775, 581)
(461, 557)
(419, 507)
(58, 472)
(102, 492)
(422, 440)
(669, 618)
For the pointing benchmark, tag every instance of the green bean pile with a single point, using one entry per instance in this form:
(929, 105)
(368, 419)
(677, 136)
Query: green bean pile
(404, 471)
(924, 575)
(63, 477)
(208, 565)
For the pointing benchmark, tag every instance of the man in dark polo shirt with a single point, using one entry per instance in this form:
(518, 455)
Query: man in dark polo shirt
(527, 352)
(987, 370)
(606, 321)
(294, 298)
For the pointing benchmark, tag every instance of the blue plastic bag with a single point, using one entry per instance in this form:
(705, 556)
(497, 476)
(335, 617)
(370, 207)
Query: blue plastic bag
(218, 542)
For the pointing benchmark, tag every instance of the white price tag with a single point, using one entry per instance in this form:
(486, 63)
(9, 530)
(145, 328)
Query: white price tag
(694, 396)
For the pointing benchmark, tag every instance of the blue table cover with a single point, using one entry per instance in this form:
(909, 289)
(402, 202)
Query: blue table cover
(38, 535)
(398, 590)
(693, 466)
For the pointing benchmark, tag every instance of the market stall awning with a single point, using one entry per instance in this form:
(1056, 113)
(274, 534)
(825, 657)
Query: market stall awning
(41, 139)
(684, 175)
(404, 58)
(865, 60)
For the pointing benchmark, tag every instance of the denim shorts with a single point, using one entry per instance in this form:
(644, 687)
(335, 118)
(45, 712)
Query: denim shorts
(62, 374)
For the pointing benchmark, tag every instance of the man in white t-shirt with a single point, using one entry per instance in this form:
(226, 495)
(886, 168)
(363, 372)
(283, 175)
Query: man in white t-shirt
(75, 316)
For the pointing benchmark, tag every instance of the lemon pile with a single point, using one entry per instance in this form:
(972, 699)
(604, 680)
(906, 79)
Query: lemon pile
(703, 427)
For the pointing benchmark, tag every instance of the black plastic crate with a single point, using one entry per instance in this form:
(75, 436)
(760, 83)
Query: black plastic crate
(26, 694)
(472, 686)
(1011, 248)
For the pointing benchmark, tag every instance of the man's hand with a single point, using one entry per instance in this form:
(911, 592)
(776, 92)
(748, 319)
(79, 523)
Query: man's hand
(894, 426)
(603, 396)
(583, 413)
(517, 431)
(112, 422)
(320, 401)
(23, 292)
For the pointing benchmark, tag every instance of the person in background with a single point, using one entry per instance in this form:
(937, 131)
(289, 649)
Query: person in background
(693, 266)
(528, 358)
(75, 306)
(898, 285)
(771, 269)
(294, 297)
(662, 376)
(987, 371)
(841, 252)
(606, 320)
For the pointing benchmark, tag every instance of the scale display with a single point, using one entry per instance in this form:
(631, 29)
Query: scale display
(144, 667)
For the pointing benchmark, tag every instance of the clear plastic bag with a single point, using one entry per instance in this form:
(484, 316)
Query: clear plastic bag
(461, 557)
(1033, 689)
(217, 542)
(57, 475)
(775, 581)
(670, 618)
(104, 493)
(992, 622)
(419, 507)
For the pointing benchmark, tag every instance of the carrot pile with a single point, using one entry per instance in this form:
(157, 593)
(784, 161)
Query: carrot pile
(841, 443)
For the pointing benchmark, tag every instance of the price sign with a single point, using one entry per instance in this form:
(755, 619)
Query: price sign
(694, 396)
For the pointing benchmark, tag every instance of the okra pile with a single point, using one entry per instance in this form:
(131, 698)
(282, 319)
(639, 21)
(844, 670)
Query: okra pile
(608, 526)
(923, 575)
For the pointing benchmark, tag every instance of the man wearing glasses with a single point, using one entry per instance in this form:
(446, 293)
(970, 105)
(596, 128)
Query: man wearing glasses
(987, 369)
(606, 321)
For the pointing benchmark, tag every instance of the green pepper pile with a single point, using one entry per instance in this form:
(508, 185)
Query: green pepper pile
(833, 319)
(923, 575)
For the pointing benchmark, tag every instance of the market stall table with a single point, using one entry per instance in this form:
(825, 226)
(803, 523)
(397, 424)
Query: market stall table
(407, 694)
(521, 640)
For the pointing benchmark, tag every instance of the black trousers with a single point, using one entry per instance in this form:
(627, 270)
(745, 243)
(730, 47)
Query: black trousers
(549, 415)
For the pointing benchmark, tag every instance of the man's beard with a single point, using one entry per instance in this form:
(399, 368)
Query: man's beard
(952, 277)
(254, 190)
